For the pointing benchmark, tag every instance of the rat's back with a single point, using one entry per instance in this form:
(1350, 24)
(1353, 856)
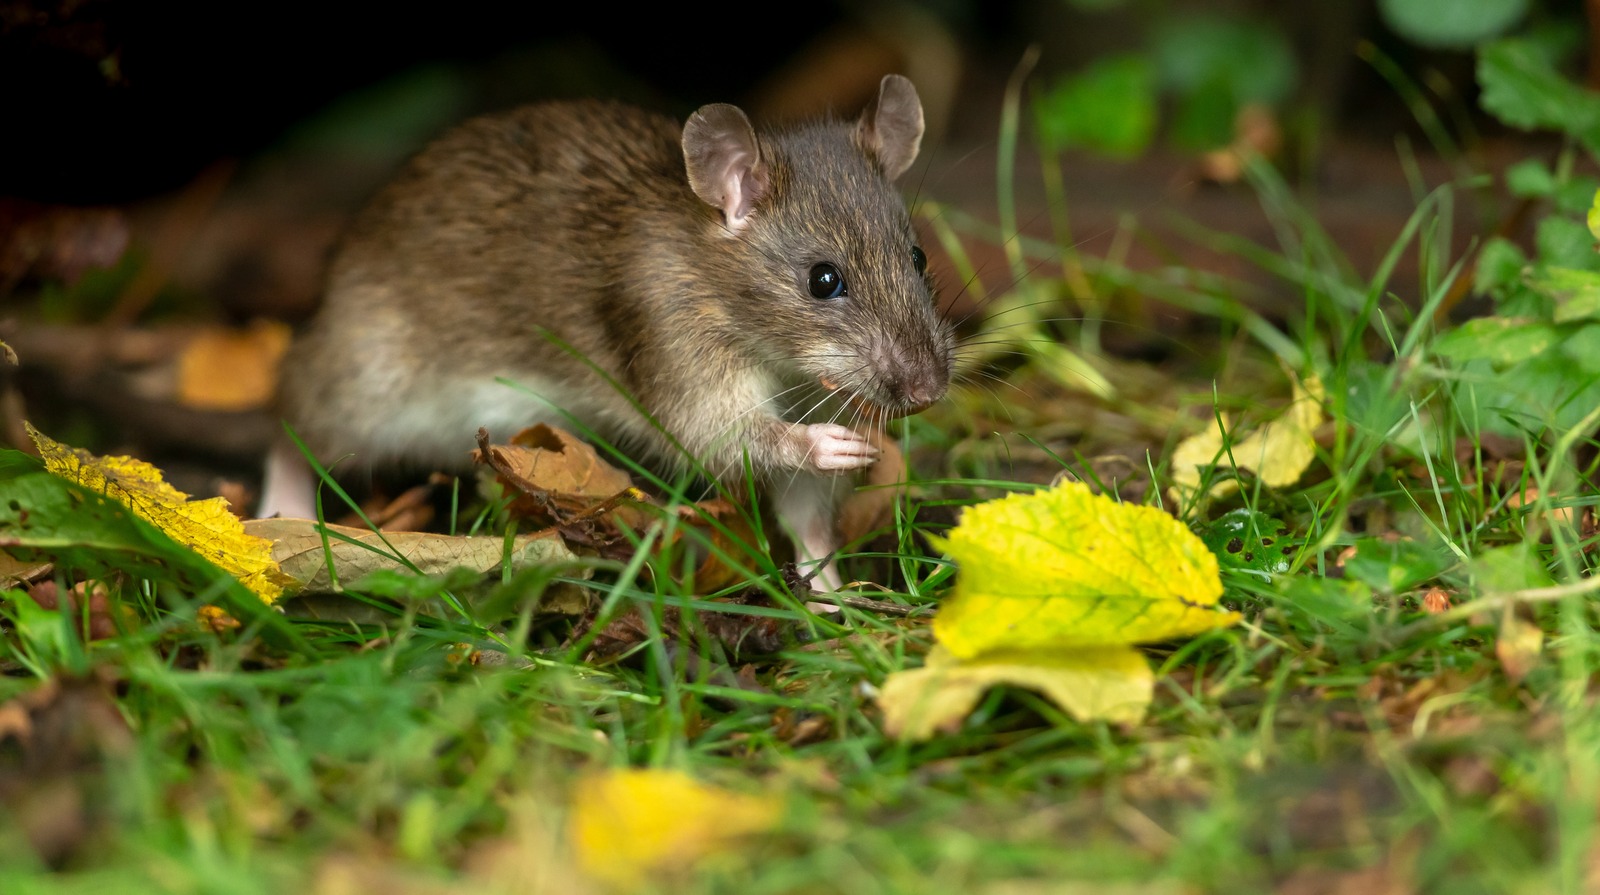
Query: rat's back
(484, 255)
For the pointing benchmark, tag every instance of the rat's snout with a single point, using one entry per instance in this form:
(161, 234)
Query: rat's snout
(918, 391)
(911, 380)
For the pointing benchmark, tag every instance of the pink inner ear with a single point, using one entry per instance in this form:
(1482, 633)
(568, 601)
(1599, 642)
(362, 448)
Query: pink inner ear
(742, 185)
(724, 162)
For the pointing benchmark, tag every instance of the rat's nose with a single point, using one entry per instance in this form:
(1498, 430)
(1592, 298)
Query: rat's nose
(919, 392)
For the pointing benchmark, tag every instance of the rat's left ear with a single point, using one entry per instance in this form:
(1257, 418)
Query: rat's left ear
(724, 162)
(890, 128)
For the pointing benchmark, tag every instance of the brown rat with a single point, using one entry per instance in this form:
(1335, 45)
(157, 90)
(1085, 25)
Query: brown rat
(752, 292)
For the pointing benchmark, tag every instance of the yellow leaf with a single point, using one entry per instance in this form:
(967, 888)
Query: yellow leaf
(1112, 682)
(204, 526)
(232, 369)
(630, 825)
(1065, 568)
(1278, 452)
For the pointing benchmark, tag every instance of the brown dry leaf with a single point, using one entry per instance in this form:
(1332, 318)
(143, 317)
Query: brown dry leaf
(1435, 601)
(871, 507)
(14, 572)
(100, 623)
(410, 510)
(215, 619)
(297, 546)
(1518, 647)
(564, 482)
(801, 729)
(559, 480)
(207, 527)
(232, 369)
(630, 826)
(558, 461)
(727, 529)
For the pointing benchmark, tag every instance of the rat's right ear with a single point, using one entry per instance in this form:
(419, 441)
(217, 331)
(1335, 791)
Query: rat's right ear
(724, 162)
(890, 128)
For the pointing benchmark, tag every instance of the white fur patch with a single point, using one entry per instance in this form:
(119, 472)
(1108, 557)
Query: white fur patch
(438, 426)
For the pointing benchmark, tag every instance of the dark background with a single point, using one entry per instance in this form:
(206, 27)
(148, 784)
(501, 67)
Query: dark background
(106, 101)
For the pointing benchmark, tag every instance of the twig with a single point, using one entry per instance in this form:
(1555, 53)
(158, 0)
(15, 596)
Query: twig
(863, 603)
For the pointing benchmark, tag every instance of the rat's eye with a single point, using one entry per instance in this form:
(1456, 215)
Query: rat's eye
(826, 282)
(919, 260)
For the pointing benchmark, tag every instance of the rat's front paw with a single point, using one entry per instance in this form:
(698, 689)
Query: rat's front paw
(825, 447)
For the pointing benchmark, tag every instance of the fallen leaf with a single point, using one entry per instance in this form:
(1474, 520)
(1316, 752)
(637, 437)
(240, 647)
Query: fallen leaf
(205, 526)
(629, 826)
(1277, 452)
(1054, 588)
(297, 547)
(1518, 647)
(563, 482)
(871, 506)
(1111, 682)
(556, 479)
(99, 622)
(15, 571)
(1435, 601)
(1065, 567)
(232, 369)
(215, 620)
(724, 530)
(554, 460)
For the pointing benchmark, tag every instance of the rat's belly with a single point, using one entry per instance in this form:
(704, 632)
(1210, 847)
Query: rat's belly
(437, 425)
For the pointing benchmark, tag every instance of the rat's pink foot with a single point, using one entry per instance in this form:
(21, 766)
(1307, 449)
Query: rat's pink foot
(826, 447)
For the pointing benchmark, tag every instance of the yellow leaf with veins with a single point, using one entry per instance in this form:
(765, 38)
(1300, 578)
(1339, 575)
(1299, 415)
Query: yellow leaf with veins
(1065, 568)
(205, 526)
(1054, 588)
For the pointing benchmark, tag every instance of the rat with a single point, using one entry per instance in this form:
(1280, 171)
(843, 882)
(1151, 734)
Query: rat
(754, 302)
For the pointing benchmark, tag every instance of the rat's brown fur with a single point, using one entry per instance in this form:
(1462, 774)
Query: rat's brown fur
(558, 240)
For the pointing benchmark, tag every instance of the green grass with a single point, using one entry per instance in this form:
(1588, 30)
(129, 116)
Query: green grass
(1338, 728)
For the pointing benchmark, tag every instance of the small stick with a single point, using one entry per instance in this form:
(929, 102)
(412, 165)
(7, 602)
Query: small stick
(865, 604)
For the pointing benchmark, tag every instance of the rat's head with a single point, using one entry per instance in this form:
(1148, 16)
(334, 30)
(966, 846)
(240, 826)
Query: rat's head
(832, 281)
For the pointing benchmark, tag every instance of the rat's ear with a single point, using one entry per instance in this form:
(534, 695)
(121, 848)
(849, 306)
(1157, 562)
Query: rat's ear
(891, 127)
(724, 161)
